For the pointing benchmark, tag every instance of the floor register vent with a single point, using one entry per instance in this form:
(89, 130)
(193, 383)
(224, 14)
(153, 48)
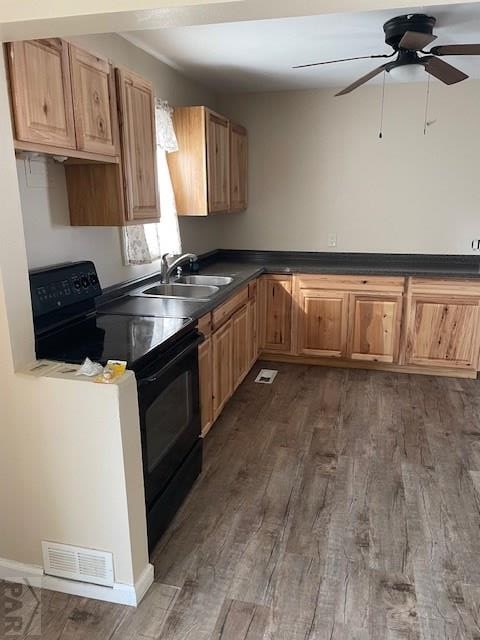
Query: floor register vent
(78, 563)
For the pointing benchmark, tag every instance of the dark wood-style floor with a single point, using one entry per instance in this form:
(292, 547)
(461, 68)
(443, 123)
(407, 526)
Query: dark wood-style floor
(335, 504)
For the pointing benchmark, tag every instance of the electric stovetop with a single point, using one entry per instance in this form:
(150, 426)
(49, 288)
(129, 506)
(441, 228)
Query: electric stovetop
(135, 339)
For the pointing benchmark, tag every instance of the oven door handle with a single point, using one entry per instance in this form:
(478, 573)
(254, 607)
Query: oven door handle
(156, 376)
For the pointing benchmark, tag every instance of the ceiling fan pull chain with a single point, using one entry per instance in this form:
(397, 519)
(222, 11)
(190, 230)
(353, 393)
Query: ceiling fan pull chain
(427, 104)
(380, 135)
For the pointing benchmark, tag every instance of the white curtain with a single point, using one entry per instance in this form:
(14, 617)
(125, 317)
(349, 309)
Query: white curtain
(143, 244)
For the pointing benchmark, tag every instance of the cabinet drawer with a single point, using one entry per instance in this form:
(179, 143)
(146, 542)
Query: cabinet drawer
(445, 287)
(387, 284)
(225, 310)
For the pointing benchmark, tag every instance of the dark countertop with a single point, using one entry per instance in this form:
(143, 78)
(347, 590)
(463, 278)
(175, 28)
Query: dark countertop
(247, 265)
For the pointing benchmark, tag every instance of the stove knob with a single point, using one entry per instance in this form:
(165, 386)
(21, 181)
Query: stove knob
(84, 282)
(93, 279)
(77, 284)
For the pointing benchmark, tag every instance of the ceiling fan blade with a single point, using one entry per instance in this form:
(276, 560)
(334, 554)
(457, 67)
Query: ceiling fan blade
(362, 80)
(415, 41)
(442, 70)
(456, 50)
(316, 64)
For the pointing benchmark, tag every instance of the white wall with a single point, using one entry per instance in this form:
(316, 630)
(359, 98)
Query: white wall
(81, 463)
(50, 238)
(317, 167)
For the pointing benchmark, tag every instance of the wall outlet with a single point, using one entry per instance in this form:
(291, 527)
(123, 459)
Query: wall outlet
(475, 245)
(332, 239)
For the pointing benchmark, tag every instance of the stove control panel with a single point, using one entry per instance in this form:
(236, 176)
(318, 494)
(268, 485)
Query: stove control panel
(60, 286)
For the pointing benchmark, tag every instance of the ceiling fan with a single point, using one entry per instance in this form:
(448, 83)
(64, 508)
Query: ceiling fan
(408, 35)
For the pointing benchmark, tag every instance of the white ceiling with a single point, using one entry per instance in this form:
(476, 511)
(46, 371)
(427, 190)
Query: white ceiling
(258, 55)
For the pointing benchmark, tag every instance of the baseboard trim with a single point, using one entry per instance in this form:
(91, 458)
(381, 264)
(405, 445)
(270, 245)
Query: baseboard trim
(371, 366)
(126, 594)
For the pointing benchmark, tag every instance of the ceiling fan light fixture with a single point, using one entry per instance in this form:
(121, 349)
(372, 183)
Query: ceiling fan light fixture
(407, 73)
(408, 35)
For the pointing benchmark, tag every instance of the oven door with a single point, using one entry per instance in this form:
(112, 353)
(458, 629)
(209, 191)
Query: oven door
(169, 414)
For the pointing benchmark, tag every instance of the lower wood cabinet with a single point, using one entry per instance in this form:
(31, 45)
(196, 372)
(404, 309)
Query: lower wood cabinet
(442, 327)
(228, 353)
(206, 384)
(321, 323)
(424, 325)
(252, 341)
(430, 325)
(241, 348)
(222, 363)
(275, 309)
(374, 327)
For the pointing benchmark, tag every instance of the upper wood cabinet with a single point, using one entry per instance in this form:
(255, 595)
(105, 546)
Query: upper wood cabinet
(442, 324)
(41, 92)
(68, 102)
(124, 193)
(374, 327)
(218, 162)
(209, 161)
(275, 310)
(94, 103)
(136, 106)
(238, 167)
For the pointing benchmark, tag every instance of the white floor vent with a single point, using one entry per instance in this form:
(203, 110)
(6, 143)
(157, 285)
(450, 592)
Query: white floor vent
(77, 563)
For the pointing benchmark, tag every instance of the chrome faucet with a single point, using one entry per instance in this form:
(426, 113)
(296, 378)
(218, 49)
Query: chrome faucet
(166, 270)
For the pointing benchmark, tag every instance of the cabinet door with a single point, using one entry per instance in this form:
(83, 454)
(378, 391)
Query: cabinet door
(94, 103)
(41, 92)
(218, 162)
(238, 167)
(442, 332)
(252, 342)
(222, 354)
(137, 121)
(321, 323)
(206, 390)
(241, 345)
(374, 327)
(275, 309)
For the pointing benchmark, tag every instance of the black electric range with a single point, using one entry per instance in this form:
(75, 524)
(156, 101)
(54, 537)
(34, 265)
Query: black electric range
(69, 329)
(135, 339)
(163, 352)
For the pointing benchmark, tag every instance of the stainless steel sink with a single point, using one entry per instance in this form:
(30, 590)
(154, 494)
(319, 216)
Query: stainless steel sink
(218, 281)
(182, 290)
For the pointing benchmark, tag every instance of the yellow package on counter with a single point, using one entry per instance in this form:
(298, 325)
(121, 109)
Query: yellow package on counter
(112, 371)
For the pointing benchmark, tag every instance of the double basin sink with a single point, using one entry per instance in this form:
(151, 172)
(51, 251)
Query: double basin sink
(190, 287)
